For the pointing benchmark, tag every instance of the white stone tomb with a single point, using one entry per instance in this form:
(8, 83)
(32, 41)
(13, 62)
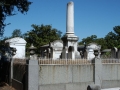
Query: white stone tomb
(56, 49)
(90, 50)
(19, 44)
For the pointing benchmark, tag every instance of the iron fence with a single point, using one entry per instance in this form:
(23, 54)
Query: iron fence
(63, 62)
(111, 61)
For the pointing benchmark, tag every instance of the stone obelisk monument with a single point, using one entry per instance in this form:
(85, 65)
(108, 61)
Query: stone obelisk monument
(70, 40)
(70, 19)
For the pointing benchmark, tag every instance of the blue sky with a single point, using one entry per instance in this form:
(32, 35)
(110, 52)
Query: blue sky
(91, 17)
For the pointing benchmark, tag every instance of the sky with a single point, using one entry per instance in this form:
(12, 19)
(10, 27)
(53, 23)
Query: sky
(91, 17)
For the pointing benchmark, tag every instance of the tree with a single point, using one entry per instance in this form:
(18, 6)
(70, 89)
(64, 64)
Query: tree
(102, 42)
(111, 40)
(7, 8)
(16, 33)
(117, 30)
(94, 39)
(41, 35)
(88, 40)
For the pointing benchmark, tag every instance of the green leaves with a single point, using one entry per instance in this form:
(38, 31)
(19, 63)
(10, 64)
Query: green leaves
(117, 30)
(88, 40)
(112, 39)
(7, 9)
(17, 33)
(41, 35)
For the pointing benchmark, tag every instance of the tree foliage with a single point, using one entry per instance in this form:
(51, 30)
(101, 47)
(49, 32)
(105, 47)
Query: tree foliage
(88, 40)
(112, 39)
(117, 30)
(94, 39)
(41, 35)
(17, 33)
(7, 8)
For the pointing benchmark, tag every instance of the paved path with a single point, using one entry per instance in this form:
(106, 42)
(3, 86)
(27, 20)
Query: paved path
(117, 88)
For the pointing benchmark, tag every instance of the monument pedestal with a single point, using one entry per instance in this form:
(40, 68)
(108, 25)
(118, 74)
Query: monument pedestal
(70, 41)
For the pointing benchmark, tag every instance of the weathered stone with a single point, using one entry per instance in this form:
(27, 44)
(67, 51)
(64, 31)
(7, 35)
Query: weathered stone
(70, 18)
(114, 52)
(90, 50)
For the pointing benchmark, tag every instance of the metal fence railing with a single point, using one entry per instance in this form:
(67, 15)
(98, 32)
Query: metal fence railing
(42, 61)
(63, 62)
(111, 61)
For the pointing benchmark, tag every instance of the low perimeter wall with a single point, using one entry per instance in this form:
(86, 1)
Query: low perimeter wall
(68, 76)
(110, 75)
(65, 77)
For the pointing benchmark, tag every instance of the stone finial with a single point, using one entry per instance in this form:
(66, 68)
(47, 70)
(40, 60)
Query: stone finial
(32, 50)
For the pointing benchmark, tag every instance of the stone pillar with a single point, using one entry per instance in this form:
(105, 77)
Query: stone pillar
(32, 74)
(97, 69)
(70, 18)
(32, 70)
(13, 52)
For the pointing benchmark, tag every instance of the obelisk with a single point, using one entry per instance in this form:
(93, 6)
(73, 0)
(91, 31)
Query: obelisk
(70, 18)
(70, 39)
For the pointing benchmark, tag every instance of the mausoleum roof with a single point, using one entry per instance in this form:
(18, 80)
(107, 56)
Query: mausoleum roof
(15, 40)
(57, 43)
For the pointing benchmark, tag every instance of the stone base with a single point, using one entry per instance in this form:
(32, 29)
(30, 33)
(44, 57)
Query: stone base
(70, 41)
(77, 55)
(70, 37)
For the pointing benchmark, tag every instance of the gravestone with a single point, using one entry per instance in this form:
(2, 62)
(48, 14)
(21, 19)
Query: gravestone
(56, 49)
(118, 54)
(90, 50)
(77, 55)
(19, 44)
(52, 50)
(114, 52)
(90, 54)
(85, 54)
(65, 53)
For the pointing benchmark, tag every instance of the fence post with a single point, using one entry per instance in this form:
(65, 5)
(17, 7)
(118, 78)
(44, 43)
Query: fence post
(32, 74)
(13, 52)
(97, 69)
(11, 72)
